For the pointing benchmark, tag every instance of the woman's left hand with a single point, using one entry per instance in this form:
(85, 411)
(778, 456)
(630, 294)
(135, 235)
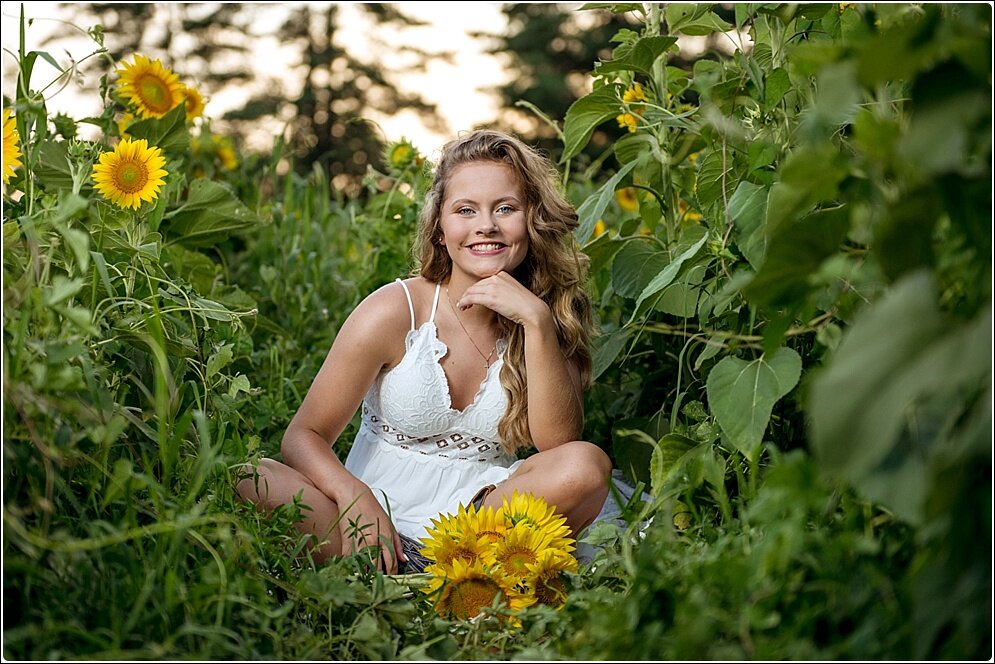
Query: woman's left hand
(505, 295)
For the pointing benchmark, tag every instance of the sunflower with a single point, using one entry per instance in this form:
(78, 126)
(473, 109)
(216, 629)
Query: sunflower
(546, 576)
(194, 101)
(225, 152)
(153, 89)
(534, 511)
(599, 227)
(627, 198)
(470, 587)
(11, 149)
(687, 213)
(627, 121)
(452, 539)
(520, 548)
(634, 93)
(537, 515)
(488, 525)
(132, 173)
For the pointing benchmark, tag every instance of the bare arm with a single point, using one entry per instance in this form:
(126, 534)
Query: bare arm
(556, 405)
(370, 339)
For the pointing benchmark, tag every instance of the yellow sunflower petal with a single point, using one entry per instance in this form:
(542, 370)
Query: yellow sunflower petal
(521, 546)
(11, 146)
(194, 101)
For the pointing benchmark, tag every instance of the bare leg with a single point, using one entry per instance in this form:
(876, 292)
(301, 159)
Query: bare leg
(276, 484)
(573, 477)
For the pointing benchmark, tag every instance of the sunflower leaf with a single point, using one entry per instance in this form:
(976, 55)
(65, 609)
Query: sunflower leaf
(168, 132)
(211, 214)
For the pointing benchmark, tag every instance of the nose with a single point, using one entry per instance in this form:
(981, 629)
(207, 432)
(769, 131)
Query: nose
(487, 225)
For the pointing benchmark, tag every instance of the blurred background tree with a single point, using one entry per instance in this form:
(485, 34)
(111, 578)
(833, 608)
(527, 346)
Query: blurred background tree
(319, 101)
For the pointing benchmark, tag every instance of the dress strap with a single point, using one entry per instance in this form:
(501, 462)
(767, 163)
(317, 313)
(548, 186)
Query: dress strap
(435, 302)
(411, 306)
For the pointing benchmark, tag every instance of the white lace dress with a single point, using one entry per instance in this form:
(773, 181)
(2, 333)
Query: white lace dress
(420, 456)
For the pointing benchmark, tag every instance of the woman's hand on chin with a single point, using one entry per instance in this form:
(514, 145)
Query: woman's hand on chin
(505, 295)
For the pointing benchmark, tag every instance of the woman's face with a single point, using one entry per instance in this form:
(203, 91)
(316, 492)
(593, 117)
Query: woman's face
(483, 220)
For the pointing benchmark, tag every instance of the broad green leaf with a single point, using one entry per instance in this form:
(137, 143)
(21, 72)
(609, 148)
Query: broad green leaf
(938, 139)
(836, 101)
(794, 252)
(666, 276)
(52, 167)
(679, 14)
(219, 360)
(239, 383)
(640, 57)
(633, 448)
(710, 178)
(210, 215)
(776, 85)
(706, 74)
(62, 289)
(634, 146)
(808, 175)
(197, 268)
(168, 133)
(747, 209)
(601, 250)
(667, 455)
(606, 349)
(742, 394)
(681, 297)
(889, 399)
(904, 238)
(594, 207)
(614, 7)
(78, 316)
(585, 114)
(635, 265)
(705, 24)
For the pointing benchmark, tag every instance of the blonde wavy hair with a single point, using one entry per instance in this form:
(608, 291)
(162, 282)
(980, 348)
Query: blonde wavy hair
(553, 268)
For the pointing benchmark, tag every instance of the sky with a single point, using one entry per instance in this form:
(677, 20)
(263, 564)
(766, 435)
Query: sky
(458, 87)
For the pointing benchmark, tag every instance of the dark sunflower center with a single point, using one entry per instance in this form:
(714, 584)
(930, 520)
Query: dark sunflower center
(131, 176)
(155, 94)
(550, 592)
(516, 559)
(467, 598)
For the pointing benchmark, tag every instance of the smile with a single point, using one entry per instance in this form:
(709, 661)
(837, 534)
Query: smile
(486, 247)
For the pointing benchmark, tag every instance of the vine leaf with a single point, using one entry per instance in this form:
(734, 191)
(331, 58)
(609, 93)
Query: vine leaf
(742, 394)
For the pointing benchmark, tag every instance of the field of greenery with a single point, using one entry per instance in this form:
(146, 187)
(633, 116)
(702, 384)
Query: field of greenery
(791, 267)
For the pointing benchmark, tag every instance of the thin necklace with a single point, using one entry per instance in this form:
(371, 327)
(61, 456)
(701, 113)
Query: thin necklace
(487, 358)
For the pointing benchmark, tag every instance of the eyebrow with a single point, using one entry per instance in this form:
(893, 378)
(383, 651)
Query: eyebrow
(503, 199)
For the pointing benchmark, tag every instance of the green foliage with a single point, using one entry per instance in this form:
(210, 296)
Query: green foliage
(790, 264)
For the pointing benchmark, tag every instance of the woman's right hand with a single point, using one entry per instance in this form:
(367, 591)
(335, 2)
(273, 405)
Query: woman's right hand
(364, 523)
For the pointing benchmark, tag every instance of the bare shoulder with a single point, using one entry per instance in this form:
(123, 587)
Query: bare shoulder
(384, 311)
(382, 320)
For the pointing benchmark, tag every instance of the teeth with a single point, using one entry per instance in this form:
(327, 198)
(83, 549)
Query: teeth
(485, 247)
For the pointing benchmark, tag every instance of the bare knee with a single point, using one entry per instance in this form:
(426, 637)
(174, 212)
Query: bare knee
(253, 482)
(587, 464)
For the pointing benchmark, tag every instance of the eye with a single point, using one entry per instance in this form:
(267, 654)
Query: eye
(464, 211)
(506, 209)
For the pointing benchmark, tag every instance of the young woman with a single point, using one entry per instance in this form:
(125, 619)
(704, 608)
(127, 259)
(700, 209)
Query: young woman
(483, 353)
